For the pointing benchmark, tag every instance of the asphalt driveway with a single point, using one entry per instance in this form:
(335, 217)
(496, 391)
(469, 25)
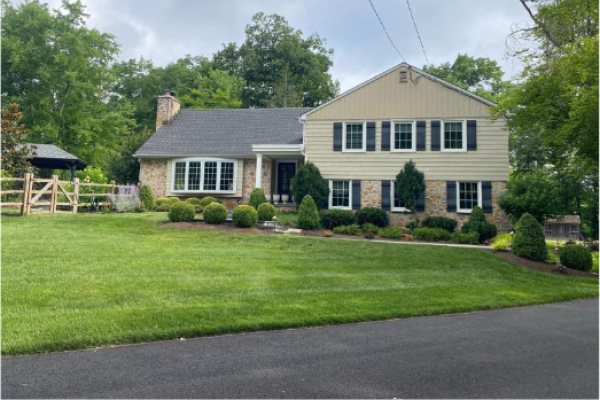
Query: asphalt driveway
(548, 351)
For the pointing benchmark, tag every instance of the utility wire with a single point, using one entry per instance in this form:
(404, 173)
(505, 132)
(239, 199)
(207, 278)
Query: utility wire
(386, 32)
(417, 30)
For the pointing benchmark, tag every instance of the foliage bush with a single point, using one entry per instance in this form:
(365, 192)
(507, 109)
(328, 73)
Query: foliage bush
(372, 215)
(165, 203)
(308, 215)
(370, 228)
(410, 182)
(332, 218)
(465, 238)
(431, 234)
(146, 197)
(390, 233)
(266, 212)
(577, 257)
(502, 242)
(477, 223)
(353, 230)
(309, 182)
(181, 212)
(257, 197)
(194, 201)
(327, 233)
(440, 222)
(414, 224)
(529, 241)
(244, 216)
(206, 201)
(126, 199)
(214, 213)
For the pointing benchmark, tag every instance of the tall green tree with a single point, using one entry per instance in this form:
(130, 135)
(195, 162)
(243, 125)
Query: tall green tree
(410, 182)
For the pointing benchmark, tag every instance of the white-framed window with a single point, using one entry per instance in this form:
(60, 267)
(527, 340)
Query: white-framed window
(468, 195)
(397, 205)
(454, 135)
(573, 230)
(204, 175)
(340, 195)
(405, 134)
(355, 137)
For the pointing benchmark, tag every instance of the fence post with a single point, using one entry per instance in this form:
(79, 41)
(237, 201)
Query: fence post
(26, 193)
(53, 199)
(75, 195)
(30, 194)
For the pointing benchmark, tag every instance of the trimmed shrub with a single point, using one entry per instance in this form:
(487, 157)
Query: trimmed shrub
(353, 230)
(372, 215)
(165, 203)
(431, 234)
(146, 197)
(440, 222)
(529, 241)
(332, 218)
(370, 228)
(309, 182)
(308, 215)
(577, 257)
(502, 242)
(266, 212)
(257, 197)
(195, 202)
(215, 213)
(390, 233)
(206, 201)
(181, 212)
(465, 238)
(477, 223)
(244, 216)
(414, 224)
(327, 233)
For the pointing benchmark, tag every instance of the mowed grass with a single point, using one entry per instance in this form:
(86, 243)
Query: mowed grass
(75, 281)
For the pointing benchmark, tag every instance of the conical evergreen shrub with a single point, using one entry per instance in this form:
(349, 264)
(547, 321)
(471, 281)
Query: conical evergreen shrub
(308, 215)
(529, 241)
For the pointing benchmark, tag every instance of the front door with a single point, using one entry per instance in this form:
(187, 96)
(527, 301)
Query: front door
(285, 173)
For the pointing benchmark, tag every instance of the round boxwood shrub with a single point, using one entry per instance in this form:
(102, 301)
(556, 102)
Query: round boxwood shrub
(440, 222)
(206, 201)
(165, 203)
(195, 202)
(244, 216)
(372, 215)
(266, 212)
(308, 215)
(334, 218)
(257, 197)
(181, 211)
(146, 197)
(431, 234)
(577, 257)
(529, 241)
(215, 213)
(477, 223)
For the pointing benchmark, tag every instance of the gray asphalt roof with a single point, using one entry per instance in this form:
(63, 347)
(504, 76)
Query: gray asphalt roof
(224, 132)
(50, 151)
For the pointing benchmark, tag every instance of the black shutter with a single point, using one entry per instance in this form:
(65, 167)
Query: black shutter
(420, 135)
(451, 196)
(370, 136)
(386, 195)
(486, 196)
(420, 201)
(356, 195)
(435, 135)
(385, 136)
(337, 136)
(471, 134)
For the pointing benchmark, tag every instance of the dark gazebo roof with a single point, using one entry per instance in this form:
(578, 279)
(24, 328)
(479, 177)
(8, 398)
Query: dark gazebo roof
(50, 156)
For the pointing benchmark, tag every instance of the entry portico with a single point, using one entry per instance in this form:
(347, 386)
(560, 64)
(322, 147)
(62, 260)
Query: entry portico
(285, 160)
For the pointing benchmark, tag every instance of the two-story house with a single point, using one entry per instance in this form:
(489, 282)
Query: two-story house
(359, 140)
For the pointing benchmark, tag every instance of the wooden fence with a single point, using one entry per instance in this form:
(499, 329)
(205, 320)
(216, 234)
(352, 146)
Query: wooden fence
(48, 194)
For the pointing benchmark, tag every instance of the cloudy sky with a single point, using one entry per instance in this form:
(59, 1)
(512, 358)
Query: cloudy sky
(164, 30)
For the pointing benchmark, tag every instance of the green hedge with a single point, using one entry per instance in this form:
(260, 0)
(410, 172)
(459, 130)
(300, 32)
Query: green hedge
(391, 233)
(215, 213)
(181, 212)
(353, 230)
(465, 238)
(333, 218)
(372, 215)
(266, 212)
(577, 257)
(440, 222)
(244, 216)
(477, 223)
(431, 234)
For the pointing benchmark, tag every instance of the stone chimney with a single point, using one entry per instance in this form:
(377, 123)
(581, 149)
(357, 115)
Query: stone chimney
(168, 107)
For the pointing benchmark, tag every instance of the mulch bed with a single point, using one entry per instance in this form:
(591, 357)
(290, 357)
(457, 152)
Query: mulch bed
(542, 266)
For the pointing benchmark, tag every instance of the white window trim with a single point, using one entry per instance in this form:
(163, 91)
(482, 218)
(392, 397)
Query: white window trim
(202, 160)
(331, 207)
(443, 136)
(392, 192)
(479, 197)
(413, 140)
(364, 141)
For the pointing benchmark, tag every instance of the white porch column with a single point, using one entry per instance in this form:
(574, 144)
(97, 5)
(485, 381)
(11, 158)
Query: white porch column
(259, 160)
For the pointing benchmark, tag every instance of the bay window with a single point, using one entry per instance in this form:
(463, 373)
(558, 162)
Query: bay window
(204, 175)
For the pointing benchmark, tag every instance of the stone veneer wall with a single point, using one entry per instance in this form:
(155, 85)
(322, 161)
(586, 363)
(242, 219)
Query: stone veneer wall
(153, 172)
(370, 193)
(249, 179)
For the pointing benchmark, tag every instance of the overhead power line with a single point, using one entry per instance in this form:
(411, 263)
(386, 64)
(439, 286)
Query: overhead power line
(386, 32)
(417, 30)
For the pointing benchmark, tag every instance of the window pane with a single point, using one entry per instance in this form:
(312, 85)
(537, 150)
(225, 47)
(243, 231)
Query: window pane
(340, 194)
(194, 175)
(468, 195)
(226, 176)
(180, 176)
(354, 136)
(453, 137)
(210, 175)
(403, 136)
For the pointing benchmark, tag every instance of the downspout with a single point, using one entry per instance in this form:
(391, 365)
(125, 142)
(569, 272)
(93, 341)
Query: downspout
(302, 120)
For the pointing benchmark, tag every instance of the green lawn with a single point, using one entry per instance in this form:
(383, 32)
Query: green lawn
(75, 281)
